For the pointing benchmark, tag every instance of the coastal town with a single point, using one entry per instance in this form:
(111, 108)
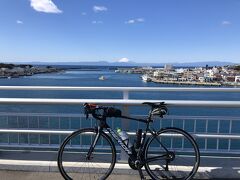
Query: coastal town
(15, 71)
(209, 76)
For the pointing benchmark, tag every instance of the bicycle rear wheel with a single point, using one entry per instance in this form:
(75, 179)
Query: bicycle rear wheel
(172, 154)
(72, 156)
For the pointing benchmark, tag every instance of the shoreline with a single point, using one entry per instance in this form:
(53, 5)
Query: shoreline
(192, 83)
(15, 71)
(22, 75)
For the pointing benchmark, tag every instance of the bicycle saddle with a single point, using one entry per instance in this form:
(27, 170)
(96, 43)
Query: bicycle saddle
(158, 109)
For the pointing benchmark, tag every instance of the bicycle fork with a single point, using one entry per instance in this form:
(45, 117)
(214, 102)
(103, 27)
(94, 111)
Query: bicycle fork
(90, 151)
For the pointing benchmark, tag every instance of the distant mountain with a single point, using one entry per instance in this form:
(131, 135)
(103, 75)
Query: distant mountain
(93, 63)
(204, 63)
(131, 63)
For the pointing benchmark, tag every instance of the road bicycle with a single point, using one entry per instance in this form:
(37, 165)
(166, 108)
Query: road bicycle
(89, 153)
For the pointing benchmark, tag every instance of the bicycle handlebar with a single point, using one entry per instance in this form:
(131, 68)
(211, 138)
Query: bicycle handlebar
(101, 112)
(91, 109)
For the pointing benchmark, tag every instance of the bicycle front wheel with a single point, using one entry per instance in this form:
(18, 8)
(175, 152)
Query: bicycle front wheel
(72, 156)
(172, 154)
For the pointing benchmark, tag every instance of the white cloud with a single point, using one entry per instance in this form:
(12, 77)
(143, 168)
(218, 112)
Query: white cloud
(97, 22)
(84, 14)
(46, 6)
(123, 60)
(99, 8)
(226, 23)
(19, 22)
(131, 21)
(140, 20)
(137, 20)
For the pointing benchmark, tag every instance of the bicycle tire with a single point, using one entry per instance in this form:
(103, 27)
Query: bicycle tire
(172, 139)
(78, 143)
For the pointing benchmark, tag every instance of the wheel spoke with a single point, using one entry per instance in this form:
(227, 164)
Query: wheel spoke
(163, 151)
(73, 162)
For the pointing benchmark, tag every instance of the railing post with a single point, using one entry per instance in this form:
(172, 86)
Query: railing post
(125, 125)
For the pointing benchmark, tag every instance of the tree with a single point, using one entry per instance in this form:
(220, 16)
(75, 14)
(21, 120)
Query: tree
(237, 67)
(8, 66)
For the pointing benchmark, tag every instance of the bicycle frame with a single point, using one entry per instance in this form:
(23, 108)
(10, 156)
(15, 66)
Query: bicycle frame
(103, 125)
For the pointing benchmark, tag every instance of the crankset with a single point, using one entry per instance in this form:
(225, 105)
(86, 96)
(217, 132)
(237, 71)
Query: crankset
(133, 165)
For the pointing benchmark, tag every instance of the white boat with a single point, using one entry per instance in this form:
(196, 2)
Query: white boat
(146, 78)
(102, 78)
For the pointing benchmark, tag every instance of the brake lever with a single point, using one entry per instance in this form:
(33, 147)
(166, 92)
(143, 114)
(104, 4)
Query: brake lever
(86, 112)
(87, 115)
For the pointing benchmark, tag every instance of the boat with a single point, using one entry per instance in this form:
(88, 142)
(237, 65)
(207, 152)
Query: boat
(146, 78)
(102, 78)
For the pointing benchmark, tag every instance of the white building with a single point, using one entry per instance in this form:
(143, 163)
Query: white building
(215, 70)
(157, 73)
(4, 69)
(201, 79)
(237, 78)
(147, 68)
(168, 67)
(181, 70)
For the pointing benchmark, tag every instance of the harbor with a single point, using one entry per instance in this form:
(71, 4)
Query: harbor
(199, 76)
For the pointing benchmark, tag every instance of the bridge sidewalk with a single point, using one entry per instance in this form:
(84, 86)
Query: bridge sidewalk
(25, 165)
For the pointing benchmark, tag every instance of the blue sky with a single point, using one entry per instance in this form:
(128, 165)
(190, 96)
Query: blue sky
(120, 30)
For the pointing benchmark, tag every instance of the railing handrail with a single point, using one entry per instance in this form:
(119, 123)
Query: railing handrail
(183, 103)
(80, 115)
(122, 101)
(54, 131)
(133, 89)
